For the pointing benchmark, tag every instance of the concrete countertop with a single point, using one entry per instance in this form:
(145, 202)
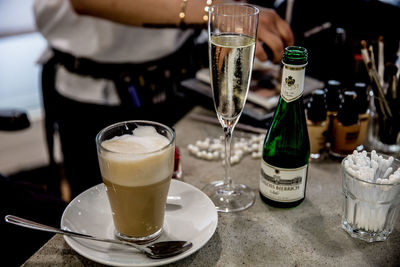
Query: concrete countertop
(307, 235)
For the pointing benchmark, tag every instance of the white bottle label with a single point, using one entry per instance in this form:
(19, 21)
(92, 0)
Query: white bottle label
(292, 84)
(282, 185)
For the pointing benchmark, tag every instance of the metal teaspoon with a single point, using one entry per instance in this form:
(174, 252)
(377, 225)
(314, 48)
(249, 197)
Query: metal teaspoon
(157, 250)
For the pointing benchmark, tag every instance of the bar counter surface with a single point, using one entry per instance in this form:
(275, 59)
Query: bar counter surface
(307, 235)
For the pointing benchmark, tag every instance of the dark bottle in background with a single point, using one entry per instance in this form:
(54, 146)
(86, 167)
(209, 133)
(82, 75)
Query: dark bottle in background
(339, 70)
(362, 104)
(333, 93)
(346, 127)
(317, 123)
(286, 149)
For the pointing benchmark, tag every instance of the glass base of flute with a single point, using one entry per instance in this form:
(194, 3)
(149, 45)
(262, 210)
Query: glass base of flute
(232, 198)
(226, 195)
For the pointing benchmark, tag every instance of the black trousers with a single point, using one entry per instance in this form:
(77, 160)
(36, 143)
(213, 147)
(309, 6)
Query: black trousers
(78, 123)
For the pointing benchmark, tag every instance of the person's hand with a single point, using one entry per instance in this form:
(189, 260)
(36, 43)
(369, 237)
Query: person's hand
(273, 33)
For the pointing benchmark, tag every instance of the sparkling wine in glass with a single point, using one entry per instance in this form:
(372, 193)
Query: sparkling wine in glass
(232, 31)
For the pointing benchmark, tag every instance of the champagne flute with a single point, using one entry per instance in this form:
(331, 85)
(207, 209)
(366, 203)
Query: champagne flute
(232, 34)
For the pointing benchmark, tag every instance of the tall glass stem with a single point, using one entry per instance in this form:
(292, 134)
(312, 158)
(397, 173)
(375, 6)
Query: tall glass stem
(232, 35)
(227, 166)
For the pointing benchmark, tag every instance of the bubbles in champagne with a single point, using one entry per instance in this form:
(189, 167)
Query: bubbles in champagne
(232, 62)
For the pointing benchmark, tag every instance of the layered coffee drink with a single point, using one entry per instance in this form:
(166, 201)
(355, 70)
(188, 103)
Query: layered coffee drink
(137, 169)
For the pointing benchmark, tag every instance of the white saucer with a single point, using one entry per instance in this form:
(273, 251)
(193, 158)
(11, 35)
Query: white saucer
(194, 220)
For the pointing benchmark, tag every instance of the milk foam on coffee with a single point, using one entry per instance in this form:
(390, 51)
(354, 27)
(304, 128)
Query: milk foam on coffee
(138, 160)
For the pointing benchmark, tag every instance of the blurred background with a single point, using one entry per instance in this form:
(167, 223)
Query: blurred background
(24, 159)
(20, 48)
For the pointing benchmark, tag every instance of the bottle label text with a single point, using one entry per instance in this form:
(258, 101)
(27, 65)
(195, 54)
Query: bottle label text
(282, 185)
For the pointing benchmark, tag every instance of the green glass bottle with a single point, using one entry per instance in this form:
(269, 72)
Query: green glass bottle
(286, 150)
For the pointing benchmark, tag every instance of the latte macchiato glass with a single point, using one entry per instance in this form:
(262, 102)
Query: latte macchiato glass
(136, 160)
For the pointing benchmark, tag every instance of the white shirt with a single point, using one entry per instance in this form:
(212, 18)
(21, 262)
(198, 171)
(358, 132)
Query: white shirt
(100, 40)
